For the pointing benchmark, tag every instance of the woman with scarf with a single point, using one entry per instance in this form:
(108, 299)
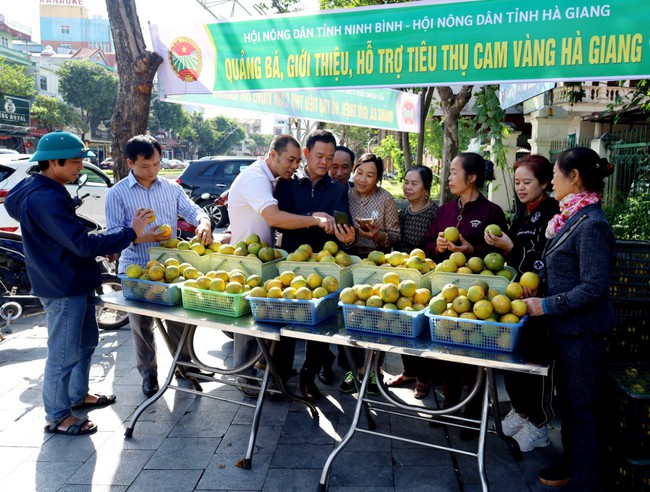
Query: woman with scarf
(577, 262)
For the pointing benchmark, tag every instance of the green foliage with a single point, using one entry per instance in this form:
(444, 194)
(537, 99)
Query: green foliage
(390, 149)
(164, 116)
(14, 80)
(214, 136)
(356, 138)
(434, 134)
(89, 87)
(640, 98)
(490, 117)
(577, 92)
(629, 218)
(262, 142)
(53, 114)
(344, 4)
(280, 6)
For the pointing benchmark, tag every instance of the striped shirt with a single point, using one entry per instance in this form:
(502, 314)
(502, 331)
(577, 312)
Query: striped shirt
(165, 197)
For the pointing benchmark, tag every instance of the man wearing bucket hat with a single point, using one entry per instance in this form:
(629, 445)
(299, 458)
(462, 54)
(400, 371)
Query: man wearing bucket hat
(60, 258)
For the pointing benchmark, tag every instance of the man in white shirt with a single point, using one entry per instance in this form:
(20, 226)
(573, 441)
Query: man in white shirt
(253, 210)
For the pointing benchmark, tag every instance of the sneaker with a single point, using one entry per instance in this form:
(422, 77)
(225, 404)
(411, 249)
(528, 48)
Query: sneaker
(347, 385)
(530, 437)
(513, 423)
(373, 389)
(556, 476)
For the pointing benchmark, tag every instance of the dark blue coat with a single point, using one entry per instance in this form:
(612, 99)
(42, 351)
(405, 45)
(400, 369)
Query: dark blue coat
(298, 196)
(578, 261)
(59, 251)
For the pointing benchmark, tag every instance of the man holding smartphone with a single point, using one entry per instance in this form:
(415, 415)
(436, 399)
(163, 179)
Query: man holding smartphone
(308, 191)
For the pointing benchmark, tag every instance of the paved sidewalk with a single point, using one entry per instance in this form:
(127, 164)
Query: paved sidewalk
(185, 443)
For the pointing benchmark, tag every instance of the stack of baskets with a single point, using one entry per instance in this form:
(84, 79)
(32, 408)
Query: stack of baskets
(627, 399)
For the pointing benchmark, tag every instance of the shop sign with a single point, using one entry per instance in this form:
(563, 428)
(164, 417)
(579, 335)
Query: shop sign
(14, 111)
(412, 44)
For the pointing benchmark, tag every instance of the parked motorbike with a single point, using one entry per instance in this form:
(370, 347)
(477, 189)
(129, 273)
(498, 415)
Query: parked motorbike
(15, 286)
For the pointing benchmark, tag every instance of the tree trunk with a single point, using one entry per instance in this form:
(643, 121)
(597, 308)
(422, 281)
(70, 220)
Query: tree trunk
(426, 95)
(452, 104)
(406, 148)
(136, 68)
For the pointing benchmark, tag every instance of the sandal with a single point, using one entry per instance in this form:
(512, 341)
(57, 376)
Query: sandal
(75, 429)
(421, 390)
(400, 380)
(101, 401)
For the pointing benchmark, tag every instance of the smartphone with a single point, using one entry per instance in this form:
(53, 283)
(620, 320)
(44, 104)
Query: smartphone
(340, 217)
(364, 223)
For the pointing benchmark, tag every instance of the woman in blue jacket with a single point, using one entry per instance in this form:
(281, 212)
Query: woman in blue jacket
(577, 262)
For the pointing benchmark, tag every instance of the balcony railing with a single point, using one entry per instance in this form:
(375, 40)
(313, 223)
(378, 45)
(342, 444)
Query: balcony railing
(594, 94)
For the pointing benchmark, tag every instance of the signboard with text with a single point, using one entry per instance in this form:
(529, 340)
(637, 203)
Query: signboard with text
(413, 44)
(377, 108)
(14, 111)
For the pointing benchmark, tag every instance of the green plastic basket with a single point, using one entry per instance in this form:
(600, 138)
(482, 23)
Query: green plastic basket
(369, 274)
(248, 264)
(294, 311)
(149, 291)
(408, 324)
(211, 301)
(200, 262)
(466, 280)
(474, 333)
(305, 268)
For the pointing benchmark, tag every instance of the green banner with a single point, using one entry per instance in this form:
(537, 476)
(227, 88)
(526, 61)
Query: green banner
(377, 108)
(14, 111)
(412, 44)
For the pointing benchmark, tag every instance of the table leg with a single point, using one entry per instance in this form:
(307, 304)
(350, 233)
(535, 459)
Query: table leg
(355, 375)
(480, 455)
(143, 406)
(270, 364)
(324, 478)
(513, 446)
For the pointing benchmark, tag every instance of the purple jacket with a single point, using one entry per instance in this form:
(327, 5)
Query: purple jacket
(474, 218)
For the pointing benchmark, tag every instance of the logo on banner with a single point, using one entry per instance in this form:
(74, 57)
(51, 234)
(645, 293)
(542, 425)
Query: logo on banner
(408, 112)
(185, 59)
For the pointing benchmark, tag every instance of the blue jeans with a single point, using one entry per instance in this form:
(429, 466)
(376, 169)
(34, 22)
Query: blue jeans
(73, 336)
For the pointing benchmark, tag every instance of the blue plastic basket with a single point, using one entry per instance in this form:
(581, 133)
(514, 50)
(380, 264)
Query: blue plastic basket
(408, 324)
(294, 311)
(149, 291)
(474, 333)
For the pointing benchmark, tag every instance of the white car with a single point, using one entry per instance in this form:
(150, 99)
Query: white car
(97, 185)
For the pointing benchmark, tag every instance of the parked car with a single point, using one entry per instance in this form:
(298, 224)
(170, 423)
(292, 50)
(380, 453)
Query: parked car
(206, 179)
(106, 163)
(97, 185)
(176, 164)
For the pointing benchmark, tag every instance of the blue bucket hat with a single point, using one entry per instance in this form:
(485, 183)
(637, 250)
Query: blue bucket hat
(60, 145)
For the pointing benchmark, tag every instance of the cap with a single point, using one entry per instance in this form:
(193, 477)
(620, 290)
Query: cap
(60, 145)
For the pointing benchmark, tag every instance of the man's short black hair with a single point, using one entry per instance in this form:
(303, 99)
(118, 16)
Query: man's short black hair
(281, 142)
(320, 136)
(45, 165)
(343, 148)
(143, 145)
